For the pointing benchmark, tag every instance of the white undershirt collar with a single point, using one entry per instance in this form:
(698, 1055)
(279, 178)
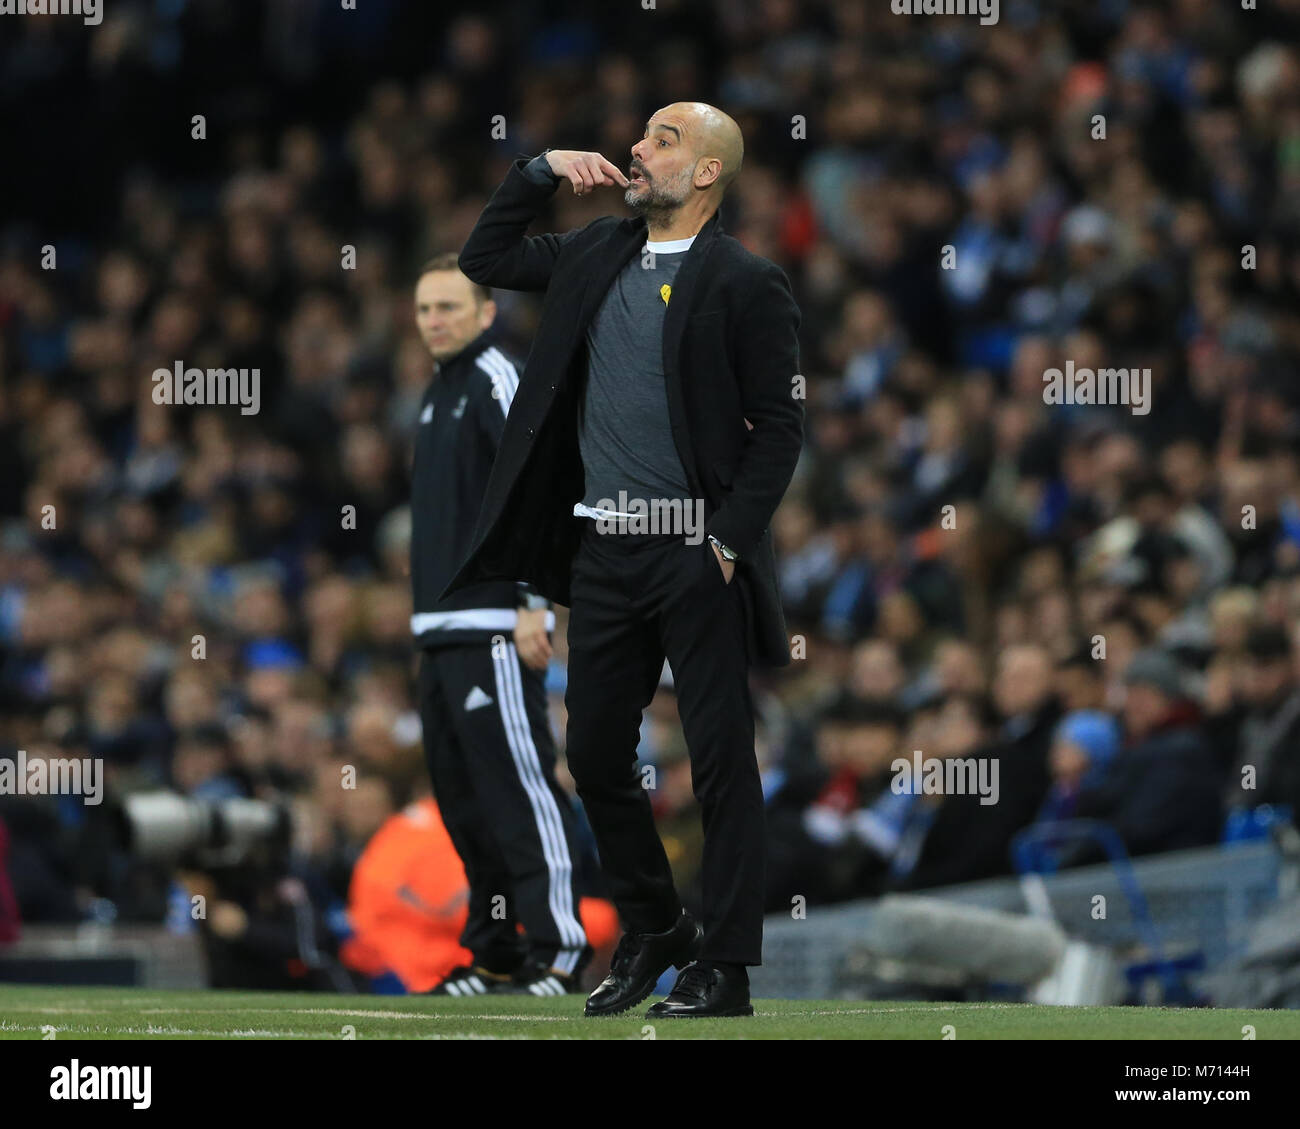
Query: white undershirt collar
(669, 246)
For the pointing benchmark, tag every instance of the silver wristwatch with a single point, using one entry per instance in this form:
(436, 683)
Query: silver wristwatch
(727, 554)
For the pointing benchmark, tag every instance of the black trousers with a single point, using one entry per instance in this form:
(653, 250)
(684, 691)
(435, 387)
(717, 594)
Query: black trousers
(487, 740)
(636, 599)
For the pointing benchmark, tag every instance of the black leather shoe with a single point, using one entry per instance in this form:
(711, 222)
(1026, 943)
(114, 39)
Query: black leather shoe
(639, 961)
(705, 990)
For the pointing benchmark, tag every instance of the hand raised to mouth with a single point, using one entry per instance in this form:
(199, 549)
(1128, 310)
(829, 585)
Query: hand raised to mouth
(585, 171)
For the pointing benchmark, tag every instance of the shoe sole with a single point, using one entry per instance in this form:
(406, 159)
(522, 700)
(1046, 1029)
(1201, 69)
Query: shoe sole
(607, 1012)
(730, 1013)
(693, 953)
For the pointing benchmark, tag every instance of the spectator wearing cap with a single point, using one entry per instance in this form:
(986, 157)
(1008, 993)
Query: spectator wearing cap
(1269, 740)
(1083, 751)
(1161, 793)
(272, 666)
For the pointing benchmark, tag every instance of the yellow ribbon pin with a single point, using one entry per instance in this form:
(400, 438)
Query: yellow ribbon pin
(664, 291)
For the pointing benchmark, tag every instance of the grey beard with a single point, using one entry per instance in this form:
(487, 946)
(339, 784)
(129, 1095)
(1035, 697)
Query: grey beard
(659, 202)
(654, 206)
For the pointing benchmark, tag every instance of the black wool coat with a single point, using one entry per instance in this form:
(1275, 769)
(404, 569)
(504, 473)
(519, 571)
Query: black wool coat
(735, 397)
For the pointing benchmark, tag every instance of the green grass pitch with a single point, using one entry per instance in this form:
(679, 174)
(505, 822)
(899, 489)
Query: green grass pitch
(141, 1013)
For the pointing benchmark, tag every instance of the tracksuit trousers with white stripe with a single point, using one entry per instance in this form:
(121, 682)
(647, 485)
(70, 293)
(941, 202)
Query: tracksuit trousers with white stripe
(637, 598)
(487, 740)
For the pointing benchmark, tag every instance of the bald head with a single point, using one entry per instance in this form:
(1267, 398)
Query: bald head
(690, 150)
(709, 135)
(714, 134)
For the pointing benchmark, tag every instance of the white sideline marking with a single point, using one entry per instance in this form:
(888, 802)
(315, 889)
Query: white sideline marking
(521, 1018)
(68, 1010)
(290, 1011)
(351, 1013)
(249, 1033)
(238, 1033)
(474, 1036)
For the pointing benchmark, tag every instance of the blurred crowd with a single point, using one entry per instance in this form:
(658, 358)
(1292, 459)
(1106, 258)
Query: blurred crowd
(1101, 601)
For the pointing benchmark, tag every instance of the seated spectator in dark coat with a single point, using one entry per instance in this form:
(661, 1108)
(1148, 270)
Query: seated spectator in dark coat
(1163, 793)
(960, 731)
(969, 839)
(1268, 751)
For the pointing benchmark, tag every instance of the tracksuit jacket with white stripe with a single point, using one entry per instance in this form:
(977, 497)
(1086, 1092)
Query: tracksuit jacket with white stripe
(462, 416)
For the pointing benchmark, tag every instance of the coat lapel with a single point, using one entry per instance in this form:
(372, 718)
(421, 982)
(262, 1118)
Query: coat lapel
(684, 286)
(679, 309)
(609, 258)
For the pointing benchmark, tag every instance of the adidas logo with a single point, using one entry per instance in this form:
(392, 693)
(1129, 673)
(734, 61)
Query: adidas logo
(476, 699)
(547, 986)
(466, 986)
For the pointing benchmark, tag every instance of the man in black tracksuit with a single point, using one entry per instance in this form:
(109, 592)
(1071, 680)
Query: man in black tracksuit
(482, 697)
